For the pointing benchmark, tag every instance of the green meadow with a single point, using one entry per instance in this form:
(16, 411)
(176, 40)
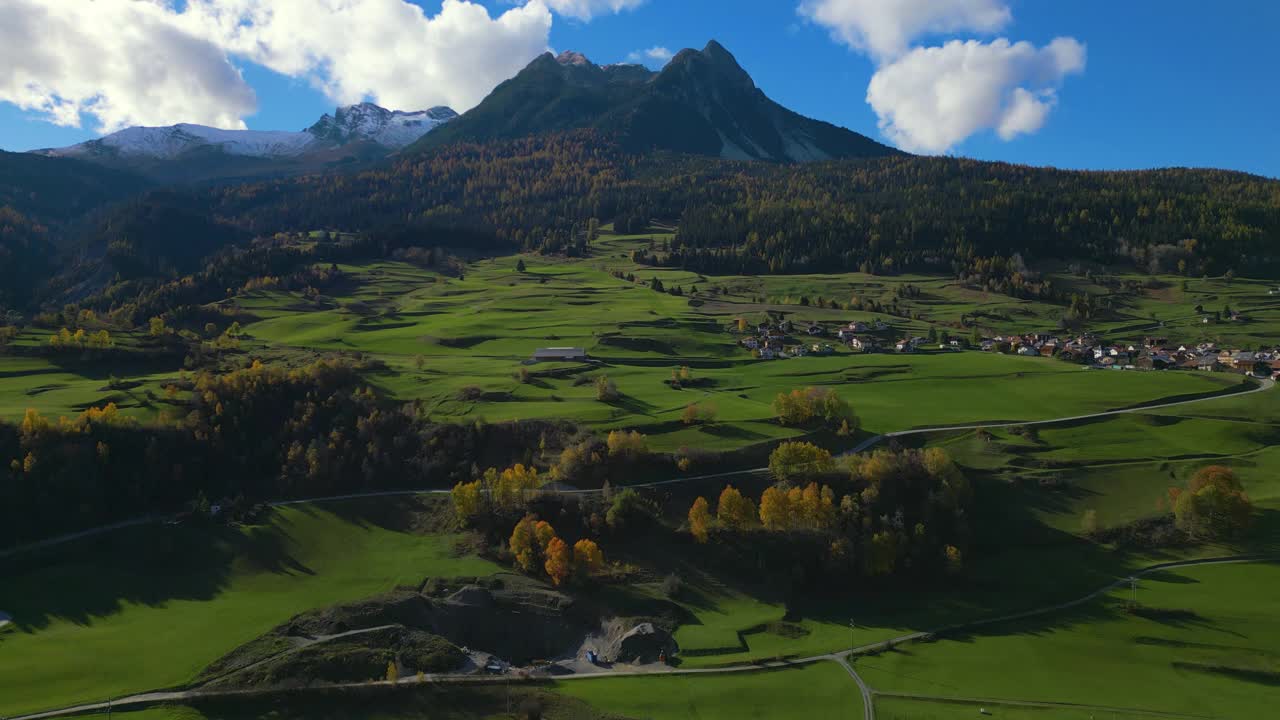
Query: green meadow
(1203, 642)
(149, 607)
(817, 690)
(458, 343)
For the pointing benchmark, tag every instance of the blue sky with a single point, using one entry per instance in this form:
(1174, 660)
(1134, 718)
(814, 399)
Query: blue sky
(1165, 83)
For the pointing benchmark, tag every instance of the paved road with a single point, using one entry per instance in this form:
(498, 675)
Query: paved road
(1264, 385)
(843, 657)
(868, 700)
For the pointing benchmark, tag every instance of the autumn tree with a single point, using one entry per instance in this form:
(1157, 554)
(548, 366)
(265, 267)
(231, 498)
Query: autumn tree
(700, 520)
(775, 509)
(509, 490)
(606, 389)
(794, 460)
(735, 511)
(588, 560)
(524, 544)
(544, 534)
(468, 500)
(627, 444)
(801, 407)
(1214, 504)
(954, 561)
(558, 565)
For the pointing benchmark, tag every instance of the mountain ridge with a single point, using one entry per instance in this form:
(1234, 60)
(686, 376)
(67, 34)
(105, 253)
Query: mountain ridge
(191, 152)
(703, 102)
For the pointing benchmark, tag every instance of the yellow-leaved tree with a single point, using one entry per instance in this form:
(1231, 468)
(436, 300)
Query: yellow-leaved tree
(587, 558)
(795, 460)
(735, 511)
(775, 509)
(700, 520)
(468, 500)
(524, 544)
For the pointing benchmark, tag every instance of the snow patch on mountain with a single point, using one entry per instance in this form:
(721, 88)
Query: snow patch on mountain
(390, 128)
(364, 122)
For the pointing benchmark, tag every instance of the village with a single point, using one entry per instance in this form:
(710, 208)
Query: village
(785, 339)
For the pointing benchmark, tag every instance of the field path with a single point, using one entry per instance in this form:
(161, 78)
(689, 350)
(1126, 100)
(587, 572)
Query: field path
(978, 702)
(868, 699)
(844, 657)
(1264, 385)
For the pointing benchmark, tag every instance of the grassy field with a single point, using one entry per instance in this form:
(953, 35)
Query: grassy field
(458, 343)
(1204, 643)
(67, 386)
(891, 708)
(1120, 467)
(149, 607)
(819, 690)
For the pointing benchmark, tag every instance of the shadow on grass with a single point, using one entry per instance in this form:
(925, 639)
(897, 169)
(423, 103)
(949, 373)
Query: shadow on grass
(148, 565)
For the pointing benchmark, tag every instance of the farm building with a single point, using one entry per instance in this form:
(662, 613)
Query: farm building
(559, 354)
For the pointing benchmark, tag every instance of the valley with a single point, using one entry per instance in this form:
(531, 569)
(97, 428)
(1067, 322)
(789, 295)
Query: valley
(455, 344)
(628, 392)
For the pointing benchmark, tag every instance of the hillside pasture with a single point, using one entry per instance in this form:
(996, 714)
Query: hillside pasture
(1202, 641)
(148, 607)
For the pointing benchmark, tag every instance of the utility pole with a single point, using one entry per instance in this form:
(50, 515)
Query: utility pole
(1133, 586)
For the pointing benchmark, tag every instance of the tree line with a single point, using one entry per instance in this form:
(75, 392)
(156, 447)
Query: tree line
(262, 432)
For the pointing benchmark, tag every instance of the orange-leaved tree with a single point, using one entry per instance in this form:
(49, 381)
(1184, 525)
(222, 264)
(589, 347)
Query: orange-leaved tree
(558, 564)
(700, 520)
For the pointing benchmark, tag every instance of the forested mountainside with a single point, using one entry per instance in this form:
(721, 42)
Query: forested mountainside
(58, 192)
(43, 203)
(884, 215)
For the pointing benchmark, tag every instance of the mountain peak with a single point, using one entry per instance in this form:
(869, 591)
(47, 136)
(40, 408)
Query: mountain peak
(712, 62)
(569, 57)
(714, 47)
(702, 102)
(367, 121)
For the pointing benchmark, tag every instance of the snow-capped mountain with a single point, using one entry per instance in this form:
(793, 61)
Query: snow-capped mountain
(174, 140)
(390, 129)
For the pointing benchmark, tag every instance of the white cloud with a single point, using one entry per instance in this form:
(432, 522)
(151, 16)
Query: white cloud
(587, 9)
(157, 62)
(124, 62)
(386, 50)
(885, 28)
(930, 99)
(656, 55)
